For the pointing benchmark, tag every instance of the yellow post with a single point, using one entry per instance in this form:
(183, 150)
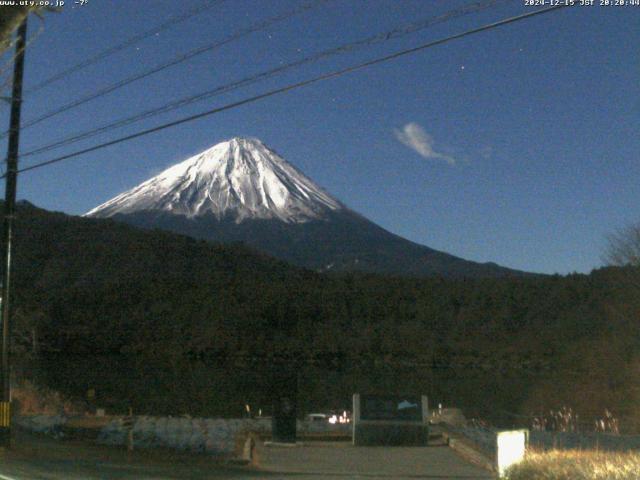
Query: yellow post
(5, 414)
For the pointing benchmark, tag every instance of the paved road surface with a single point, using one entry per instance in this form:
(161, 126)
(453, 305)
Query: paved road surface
(34, 457)
(38, 458)
(335, 461)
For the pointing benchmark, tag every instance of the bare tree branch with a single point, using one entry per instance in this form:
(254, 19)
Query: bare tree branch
(623, 247)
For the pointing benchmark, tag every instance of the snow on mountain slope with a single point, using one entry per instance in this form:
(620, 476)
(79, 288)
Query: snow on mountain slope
(239, 179)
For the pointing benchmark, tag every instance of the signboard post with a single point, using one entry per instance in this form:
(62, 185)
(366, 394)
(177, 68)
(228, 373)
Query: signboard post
(390, 420)
(284, 421)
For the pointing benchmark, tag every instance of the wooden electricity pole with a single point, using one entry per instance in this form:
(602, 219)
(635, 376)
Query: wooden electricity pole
(9, 214)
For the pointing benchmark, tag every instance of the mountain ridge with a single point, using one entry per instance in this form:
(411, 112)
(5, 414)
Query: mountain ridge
(240, 190)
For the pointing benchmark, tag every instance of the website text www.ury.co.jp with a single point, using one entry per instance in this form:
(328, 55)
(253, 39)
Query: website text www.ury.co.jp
(32, 3)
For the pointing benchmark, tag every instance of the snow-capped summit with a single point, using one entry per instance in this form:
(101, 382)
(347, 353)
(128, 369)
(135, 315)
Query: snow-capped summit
(242, 191)
(240, 179)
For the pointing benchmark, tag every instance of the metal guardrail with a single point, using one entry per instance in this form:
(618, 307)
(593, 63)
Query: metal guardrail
(547, 440)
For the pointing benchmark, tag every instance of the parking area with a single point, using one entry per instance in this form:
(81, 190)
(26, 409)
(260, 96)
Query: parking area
(325, 460)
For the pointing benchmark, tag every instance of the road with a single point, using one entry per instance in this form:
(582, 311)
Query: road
(343, 460)
(34, 457)
(38, 458)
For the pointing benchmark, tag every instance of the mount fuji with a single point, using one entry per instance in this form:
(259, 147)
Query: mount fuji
(242, 191)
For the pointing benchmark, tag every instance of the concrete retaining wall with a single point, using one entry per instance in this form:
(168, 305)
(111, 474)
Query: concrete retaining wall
(484, 439)
(47, 424)
(494, 450)
(210, 435)
(215, 436)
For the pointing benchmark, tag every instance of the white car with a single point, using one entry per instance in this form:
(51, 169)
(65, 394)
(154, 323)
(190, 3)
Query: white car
(317, 417)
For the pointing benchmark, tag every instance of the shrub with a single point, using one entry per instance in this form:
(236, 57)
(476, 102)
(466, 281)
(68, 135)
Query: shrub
(577, 465)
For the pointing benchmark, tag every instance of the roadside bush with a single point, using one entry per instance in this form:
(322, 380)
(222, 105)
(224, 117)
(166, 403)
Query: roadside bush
(577, 465)
(30, 399)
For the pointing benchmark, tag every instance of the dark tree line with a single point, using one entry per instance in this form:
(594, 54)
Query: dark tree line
(169, 324)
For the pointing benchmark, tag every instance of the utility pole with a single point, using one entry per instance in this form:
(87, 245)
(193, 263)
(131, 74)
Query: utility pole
(9, 213)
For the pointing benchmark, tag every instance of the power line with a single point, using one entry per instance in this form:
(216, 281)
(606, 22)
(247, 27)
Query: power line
(290, 87)
(397, 32)
(123, 45)
(175, 61)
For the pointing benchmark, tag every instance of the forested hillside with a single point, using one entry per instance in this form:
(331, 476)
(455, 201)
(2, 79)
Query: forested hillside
(168, 324)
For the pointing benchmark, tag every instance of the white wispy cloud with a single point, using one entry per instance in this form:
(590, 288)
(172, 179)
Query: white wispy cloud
(414, 136)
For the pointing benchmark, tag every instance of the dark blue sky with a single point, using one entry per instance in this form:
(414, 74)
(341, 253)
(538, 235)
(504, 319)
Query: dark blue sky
(518, 145)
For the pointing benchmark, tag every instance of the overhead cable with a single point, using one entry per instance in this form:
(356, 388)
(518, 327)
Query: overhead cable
(175, 61)
(293, 86)
(123, 45)
(397, 32)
